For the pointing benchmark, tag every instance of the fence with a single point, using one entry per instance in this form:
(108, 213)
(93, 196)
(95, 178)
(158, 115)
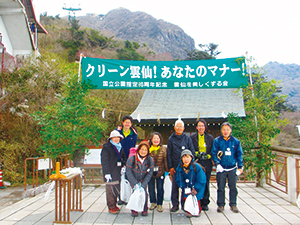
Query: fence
(285, 174)
(68, 197)
(43, 163)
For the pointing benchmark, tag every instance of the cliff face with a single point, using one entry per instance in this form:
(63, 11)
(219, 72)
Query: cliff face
(161, 36)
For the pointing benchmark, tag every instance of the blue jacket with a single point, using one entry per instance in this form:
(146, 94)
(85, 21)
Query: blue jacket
(196, 179)
(232, 152)
(176, 144)
(129, 141)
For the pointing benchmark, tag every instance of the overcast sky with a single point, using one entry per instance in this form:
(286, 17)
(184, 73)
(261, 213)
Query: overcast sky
(268, 30)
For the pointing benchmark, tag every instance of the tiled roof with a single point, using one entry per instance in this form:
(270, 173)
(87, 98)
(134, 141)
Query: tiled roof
(189, 104)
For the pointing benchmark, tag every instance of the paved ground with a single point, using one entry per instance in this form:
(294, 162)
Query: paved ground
(257, 206)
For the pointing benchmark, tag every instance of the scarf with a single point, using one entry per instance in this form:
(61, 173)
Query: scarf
(155, 149)
(126, 133)
(141, 159)
(118, 146)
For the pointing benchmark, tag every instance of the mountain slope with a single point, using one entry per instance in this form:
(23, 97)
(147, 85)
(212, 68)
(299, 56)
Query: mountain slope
(161, 36)
(289, 75)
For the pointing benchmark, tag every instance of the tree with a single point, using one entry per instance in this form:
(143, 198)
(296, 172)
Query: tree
(72, 122)
(261, 104)
(75, 42)
(129, 52)
(197, 55)
(211, 49)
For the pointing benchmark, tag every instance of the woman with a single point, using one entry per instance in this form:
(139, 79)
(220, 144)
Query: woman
(159, 155)
(139, 169)
(190, 178)
(113, 159)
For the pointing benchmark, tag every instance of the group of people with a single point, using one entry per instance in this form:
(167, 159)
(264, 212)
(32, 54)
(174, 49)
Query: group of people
(188, 160)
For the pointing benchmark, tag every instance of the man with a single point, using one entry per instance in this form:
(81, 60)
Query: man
(227, 155)
(177, 142)
(203, 142)
(129, 132)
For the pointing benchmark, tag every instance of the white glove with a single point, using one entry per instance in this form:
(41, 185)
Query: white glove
(108, 177)
(220, 169)
(239, 172)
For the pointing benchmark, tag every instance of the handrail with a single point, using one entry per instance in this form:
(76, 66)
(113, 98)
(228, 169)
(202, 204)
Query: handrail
(287, 150)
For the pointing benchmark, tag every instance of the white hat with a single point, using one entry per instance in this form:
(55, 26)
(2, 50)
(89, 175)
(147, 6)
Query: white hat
(115, 133)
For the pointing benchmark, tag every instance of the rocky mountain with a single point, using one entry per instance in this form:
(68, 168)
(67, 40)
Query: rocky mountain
(159, 35)
(289, 75)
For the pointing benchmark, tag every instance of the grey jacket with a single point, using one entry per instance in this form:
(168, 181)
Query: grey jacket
(137, 171)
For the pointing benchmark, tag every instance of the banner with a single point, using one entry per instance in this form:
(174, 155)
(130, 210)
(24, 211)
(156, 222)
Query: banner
(125, 74)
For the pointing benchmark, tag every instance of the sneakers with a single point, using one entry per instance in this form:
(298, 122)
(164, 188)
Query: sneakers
(153, 206)
(205, 208)
(160, 208)
(234, 209)
(220, 209)
(120, 202)
(175, 208)
(134, 213)
(145, 213)
(113, 211)
(188, 215)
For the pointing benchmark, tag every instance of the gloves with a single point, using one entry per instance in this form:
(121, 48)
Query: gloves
(138, 185)
(194, 192)
(123, 170)
(172, 171)
(220, 169)
(239, 172)
(108, 177)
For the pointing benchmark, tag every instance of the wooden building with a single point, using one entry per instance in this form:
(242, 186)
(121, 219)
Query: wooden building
(159, 109)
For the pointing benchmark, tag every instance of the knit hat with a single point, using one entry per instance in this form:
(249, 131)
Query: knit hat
(115, 133)
(186, 152)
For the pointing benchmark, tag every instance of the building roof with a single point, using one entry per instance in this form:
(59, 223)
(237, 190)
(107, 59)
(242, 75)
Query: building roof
(31, 16)
(189, 104)
(15, 19)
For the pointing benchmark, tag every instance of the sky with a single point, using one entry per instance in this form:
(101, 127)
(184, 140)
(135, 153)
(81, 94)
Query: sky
(267, 30)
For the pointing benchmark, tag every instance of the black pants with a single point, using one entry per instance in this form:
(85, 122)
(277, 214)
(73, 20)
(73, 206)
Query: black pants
(232, 179)
(175, 193)
(205, 200)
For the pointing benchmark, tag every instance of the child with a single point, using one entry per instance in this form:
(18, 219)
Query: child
(113, 159)
(190, 178)
(139, 169)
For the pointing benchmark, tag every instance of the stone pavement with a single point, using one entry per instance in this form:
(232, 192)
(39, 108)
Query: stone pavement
(256, 205)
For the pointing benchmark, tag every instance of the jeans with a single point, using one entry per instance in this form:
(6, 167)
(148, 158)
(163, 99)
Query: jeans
(232, 179)
(159, 197)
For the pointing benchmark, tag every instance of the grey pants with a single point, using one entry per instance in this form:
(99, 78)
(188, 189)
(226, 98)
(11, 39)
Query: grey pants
(232, 179)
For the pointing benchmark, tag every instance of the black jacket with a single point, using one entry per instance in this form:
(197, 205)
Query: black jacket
(109, 160)
(208, 138)
(176, 144)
